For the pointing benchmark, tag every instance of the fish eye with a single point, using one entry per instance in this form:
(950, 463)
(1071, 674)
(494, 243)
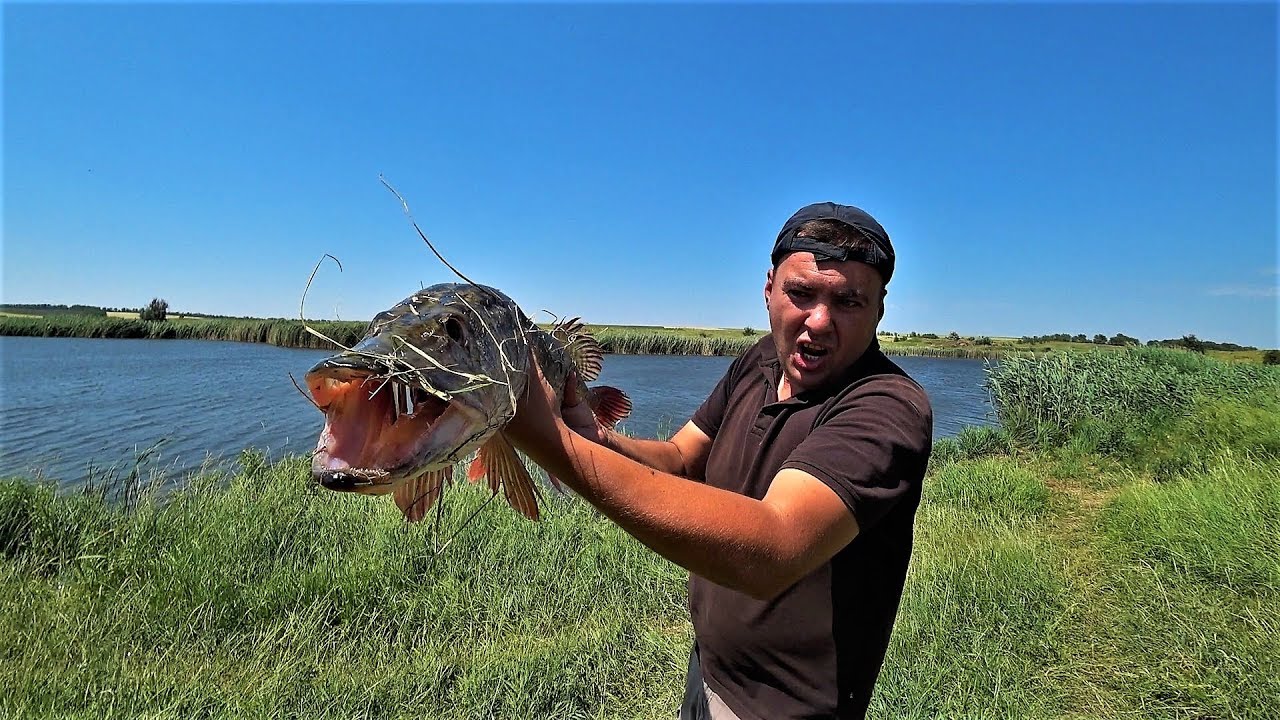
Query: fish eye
(453, 327)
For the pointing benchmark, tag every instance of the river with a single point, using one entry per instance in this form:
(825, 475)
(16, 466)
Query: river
(74, 406)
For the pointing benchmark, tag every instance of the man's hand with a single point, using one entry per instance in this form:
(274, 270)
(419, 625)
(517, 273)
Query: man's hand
(538, 412)
(577, 412)
(535, 429)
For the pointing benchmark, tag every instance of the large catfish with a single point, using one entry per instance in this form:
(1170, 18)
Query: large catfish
(435, 378)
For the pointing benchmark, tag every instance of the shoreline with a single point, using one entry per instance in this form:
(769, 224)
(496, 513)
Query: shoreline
(614, 339)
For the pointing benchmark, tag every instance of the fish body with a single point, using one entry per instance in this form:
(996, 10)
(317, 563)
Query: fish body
(436, 378)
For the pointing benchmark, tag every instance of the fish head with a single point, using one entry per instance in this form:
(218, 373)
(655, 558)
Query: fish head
(433, 378)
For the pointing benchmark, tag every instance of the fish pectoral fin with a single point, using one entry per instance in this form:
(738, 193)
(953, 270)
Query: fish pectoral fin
(498, 461)
(475, 470)
(416, 496)
(609, 404)
(583, 349)
(479, 469)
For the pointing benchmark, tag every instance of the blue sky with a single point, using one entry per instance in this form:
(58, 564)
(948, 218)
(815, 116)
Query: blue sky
(1044, 168)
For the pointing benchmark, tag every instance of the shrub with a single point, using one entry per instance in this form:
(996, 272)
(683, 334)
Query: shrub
(1271, 357)
(157, 310)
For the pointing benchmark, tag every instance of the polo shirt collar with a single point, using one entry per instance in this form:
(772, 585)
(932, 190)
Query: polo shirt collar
(771, 366)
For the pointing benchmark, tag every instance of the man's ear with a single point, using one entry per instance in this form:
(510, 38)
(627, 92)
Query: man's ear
(883, 292)
(768, 287)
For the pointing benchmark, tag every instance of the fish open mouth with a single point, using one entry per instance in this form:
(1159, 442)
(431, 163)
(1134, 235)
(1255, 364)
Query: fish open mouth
(376, 428)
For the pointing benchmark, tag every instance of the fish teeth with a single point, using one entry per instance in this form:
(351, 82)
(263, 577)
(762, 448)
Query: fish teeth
(402, 404)
(395, 400)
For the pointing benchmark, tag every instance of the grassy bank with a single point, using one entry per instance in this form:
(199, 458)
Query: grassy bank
(258, 596)
(1109, 552)
(620, 339)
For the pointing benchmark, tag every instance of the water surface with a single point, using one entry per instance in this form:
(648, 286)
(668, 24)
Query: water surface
(69, 406)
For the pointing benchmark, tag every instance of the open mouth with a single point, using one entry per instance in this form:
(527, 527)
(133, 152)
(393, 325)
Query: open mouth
(810, 354)
(374, 428)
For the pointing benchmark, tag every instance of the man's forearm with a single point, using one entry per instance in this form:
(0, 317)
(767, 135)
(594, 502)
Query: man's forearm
(725, 537)
(661, 455)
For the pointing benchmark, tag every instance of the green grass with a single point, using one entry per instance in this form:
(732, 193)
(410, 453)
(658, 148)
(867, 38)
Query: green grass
(1219, 526)
(264, 596)
(1193, 576)
(992, 491)
(978, 633)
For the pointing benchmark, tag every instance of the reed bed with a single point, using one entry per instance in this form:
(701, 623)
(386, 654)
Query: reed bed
(286, 333)
(633, 342)
(971, 353)
(292, 333)
(1113, 399)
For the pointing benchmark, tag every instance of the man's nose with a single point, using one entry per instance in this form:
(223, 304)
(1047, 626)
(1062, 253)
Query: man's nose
(819, 318)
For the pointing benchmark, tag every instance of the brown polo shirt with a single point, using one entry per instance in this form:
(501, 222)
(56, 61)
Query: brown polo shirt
(816, 649)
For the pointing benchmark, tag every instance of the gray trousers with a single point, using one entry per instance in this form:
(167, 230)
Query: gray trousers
(700, 701)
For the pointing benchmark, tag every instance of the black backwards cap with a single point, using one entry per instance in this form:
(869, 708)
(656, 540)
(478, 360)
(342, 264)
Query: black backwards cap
(878, 256)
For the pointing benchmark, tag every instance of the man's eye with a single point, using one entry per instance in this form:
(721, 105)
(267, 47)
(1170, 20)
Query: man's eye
(852, 303)
(798, 292)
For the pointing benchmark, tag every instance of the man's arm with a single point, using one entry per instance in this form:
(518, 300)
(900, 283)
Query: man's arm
(685, 454)
(758, 547)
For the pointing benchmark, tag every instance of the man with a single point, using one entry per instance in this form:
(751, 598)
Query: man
(790, 496)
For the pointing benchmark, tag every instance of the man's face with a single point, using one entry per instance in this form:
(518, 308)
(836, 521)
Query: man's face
(823, 315)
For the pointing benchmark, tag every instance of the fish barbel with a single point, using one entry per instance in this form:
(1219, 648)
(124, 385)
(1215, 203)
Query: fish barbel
(435, 378)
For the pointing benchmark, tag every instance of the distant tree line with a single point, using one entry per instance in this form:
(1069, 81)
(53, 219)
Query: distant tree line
(1191, 342)
(96, 311)
(1186, 342)
(1119, 339)
(46, 309)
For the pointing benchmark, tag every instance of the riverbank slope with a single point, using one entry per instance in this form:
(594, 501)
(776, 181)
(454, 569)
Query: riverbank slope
(1107, 552)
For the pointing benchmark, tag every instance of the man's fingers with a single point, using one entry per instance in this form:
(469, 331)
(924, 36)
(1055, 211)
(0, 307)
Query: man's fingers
(571, 397)
(535, 370)
(575, 413)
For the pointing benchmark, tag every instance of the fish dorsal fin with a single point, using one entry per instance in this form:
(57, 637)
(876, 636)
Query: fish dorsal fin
(609, 404)
(583, 349)
(498, 461)
(416, 496)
